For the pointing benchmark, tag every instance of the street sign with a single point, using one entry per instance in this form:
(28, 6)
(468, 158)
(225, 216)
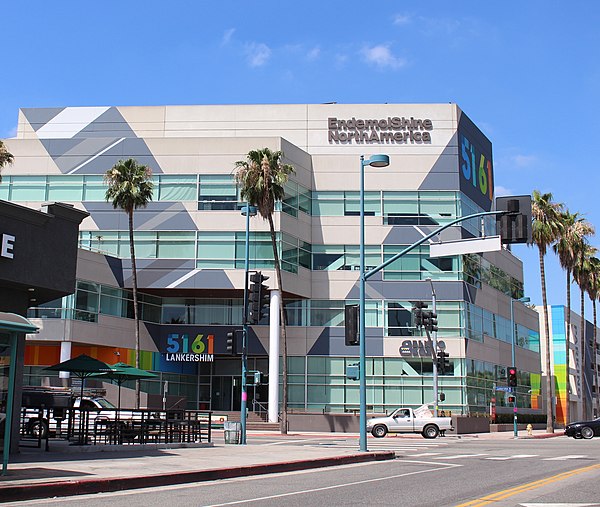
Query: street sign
(504, 388)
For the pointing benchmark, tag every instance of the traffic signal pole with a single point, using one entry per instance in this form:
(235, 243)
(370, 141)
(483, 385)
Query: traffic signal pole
(244, 402)
(435, 347)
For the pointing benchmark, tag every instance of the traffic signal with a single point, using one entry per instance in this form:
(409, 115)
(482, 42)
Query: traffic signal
(430, 321)
(258, 298)
(512, 399)
(351, 325)
(230, 345)
(514, 226)
(512, 377)
(443, 363)
(418, 311)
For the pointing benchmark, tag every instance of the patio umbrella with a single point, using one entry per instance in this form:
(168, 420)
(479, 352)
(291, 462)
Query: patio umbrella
(82, 366)
(121, 373)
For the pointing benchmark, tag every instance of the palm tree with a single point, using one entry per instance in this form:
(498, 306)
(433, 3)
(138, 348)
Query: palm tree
(262, 177)
(573, 229)
(545, 231)
(6, 157)
(593, 291)
(582, 274)
(130, 187)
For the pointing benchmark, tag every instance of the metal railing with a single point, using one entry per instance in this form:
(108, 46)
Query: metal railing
(116, 427)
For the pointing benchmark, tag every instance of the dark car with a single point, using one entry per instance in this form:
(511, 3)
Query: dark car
(583, 429)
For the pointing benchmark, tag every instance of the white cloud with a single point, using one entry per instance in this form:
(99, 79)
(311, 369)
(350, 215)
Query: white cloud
(382, 57)
(257, 54)
(524, 160)
(314, 53)
(401, 19)
(227, 36)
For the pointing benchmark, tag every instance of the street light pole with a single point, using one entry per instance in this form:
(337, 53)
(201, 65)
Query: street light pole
(247, 211)
(375, 161)
(513, 358)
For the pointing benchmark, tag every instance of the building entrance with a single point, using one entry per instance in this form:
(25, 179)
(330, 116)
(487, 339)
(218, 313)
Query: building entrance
(226, 393)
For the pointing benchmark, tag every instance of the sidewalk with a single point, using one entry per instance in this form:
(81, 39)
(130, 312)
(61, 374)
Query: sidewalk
(66, 471)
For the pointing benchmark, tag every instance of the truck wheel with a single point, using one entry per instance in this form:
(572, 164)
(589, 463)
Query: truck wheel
(379, 431)
(431, 431)
(38, 429)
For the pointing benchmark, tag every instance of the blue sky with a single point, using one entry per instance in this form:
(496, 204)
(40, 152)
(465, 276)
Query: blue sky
(526, 72)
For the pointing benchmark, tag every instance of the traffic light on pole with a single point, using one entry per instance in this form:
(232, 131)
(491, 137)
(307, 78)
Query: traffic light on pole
(258, 298)
(430, 321)
(443, 363)
(418, 311)
(230, 345)
(512, 377)
(351, 325)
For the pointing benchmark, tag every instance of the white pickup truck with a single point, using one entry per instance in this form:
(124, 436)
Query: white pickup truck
(407, 420)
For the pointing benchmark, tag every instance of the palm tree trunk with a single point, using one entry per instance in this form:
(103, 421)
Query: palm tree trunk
(135, 307)
(595, 349)
(284, 375)
(583, 354)
(568, 349)
(549, 376)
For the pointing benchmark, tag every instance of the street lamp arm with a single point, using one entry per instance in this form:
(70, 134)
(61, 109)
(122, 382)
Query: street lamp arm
(371, 272)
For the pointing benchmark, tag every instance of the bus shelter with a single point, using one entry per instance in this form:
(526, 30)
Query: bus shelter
(11, 326)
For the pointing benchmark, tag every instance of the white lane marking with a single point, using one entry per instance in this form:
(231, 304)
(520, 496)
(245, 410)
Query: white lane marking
(558, 504)
(514, 456)
(568, 456)
(459, 456)
(96, 155)
(423, 454)
(336, 486)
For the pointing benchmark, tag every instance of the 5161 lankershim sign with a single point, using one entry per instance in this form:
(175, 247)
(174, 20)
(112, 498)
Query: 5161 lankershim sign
(393, 129)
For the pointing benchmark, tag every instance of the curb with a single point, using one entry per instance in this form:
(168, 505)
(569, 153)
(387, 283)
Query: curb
(86, 486)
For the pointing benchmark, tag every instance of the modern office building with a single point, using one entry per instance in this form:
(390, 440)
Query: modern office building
(583, 396)
(190, 246)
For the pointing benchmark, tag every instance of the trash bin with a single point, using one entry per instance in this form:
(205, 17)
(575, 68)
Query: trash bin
(232, 432)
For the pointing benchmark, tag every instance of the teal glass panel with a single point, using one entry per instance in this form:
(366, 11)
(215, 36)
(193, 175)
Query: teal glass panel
(177, 188)
(65, 188)
(176, 245)
(28, 188)
(94, 188)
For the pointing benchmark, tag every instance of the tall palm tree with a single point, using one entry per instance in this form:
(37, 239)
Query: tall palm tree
(130, 187)
(6, 157)
(582, 274)
(573, 230)
(262, 177)
(545, 231)
(593, 291)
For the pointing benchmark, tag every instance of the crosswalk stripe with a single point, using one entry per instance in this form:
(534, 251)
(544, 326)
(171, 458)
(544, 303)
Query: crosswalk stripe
(459, 456)
(514, 456)
(568, 456)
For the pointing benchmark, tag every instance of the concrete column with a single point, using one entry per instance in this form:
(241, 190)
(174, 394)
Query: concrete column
(274, 356)
(65, 355)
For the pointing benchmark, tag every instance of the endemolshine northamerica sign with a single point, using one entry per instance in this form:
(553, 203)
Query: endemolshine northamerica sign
(393, 129)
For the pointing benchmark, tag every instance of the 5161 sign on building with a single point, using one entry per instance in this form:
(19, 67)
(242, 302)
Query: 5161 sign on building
(181, 348)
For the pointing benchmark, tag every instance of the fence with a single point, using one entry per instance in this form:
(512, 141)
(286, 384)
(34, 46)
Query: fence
(112, 426)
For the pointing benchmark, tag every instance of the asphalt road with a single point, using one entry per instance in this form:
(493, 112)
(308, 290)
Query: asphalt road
(441, 472)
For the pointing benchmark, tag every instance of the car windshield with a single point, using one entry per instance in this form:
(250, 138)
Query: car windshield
(104, 403)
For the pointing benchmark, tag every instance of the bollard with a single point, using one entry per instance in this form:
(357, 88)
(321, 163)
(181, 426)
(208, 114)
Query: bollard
(529, 429)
